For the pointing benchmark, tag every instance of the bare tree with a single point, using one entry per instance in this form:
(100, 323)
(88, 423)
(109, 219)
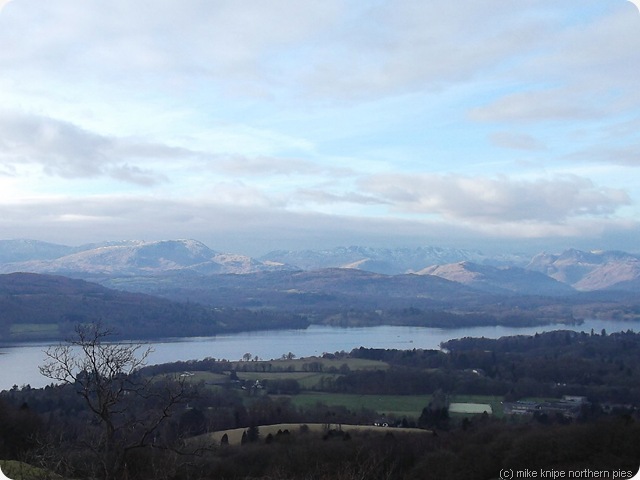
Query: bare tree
(105, 375)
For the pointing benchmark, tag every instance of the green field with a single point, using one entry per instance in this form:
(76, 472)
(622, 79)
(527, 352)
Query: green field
(307, 380)
(470, 408)
(495, 402)
(308, 372)
(206, 377)
(397, 405)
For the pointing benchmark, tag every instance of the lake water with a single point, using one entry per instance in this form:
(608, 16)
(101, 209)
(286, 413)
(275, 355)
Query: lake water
(19, 363)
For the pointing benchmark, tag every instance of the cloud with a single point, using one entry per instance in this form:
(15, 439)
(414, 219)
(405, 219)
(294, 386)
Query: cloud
(326, 50)
(66, 150)
(388, 48)
(583, 70)
(237, 194)
(516, 141)
(323, 197)
(626, 156)
(536, 106)
(133, 174)
(3, 3)
(269, 165)
(496, 200)
(150, 43)
(233, 116)
(255, 229)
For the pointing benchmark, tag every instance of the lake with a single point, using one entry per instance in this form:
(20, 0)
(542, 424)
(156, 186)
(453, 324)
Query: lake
(19, 363)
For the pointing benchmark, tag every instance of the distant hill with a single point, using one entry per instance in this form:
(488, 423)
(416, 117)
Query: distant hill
(180, 260)
(354, 297)
(337, 288)
(138, 258)
(588, 271)
(499, 280)
(12, 251)
(41, 306)
(390, 261)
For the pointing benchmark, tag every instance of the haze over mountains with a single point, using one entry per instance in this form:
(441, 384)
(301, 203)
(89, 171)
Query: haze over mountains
(544, 274)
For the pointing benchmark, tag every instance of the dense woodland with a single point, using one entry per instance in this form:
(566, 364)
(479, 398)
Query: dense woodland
(161, 428)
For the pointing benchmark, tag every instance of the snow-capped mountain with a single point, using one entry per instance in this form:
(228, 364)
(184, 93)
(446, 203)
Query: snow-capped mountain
(142, 258)
(386, 260)
(545, 274)
(499, 279)
(597, 270)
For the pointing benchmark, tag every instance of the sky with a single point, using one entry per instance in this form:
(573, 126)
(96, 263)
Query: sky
(255, 125)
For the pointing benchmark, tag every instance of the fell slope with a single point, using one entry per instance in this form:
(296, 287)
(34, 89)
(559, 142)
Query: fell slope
(589, 271)
(499, 280)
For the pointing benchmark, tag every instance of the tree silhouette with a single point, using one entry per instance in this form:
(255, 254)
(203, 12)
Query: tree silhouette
(105, 375)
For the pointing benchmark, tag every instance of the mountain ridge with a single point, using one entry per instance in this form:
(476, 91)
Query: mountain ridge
(138, 257)
(386, 260)
(589, 271)
(500, 280)
(576, 269)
